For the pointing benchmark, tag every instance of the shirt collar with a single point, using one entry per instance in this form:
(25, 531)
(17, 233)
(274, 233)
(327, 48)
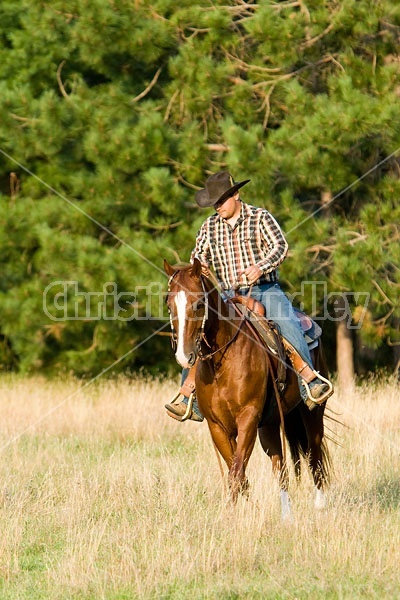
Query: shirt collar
(244, 213)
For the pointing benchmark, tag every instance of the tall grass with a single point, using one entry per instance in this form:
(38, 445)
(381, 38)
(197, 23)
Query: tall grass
(103, 496)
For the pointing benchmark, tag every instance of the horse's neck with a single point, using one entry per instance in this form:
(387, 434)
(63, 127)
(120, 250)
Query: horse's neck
(222, 328)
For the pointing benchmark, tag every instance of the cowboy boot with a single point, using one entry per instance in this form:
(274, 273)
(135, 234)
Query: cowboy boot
(188, 407)
(317, 387)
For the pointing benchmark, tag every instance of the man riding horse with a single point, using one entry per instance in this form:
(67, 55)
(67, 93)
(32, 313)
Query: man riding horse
(245, 245)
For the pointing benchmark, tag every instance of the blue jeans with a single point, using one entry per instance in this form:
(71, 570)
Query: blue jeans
(280, 310)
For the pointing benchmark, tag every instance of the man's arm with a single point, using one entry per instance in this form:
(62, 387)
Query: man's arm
(275, 242)
(202, 249)
(276, 248)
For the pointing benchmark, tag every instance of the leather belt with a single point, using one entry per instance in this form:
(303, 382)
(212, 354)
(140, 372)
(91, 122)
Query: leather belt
(261, 281)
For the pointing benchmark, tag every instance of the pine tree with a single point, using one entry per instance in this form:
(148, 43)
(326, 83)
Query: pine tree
(114, 113)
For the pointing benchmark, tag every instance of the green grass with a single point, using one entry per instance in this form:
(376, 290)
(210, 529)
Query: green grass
(108, 498)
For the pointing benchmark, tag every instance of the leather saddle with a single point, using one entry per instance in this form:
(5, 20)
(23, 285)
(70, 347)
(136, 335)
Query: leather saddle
(312, 331)
(268, 331)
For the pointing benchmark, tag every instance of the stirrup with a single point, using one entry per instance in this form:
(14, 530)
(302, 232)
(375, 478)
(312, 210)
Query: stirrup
(189, 409)
(325, 396)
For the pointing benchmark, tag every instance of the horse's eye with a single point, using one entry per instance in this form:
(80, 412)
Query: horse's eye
(197, 304)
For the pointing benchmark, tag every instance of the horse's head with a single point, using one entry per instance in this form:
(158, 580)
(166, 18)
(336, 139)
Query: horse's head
(187, 302)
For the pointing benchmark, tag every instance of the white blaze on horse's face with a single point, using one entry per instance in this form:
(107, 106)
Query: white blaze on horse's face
(183, 359)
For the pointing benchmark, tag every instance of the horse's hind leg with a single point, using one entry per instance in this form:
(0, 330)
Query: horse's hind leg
(314, 424)
(318, 459)
(318, 469)
(271, 444)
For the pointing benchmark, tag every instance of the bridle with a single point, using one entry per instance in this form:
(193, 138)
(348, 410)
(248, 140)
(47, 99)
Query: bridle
(201, 336)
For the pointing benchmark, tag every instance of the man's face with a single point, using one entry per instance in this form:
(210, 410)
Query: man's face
(228, 207)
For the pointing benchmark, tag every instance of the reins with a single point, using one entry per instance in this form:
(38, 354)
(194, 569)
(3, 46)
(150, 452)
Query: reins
(229, 342)
(279, 403)
(201, 335)
(276, 390)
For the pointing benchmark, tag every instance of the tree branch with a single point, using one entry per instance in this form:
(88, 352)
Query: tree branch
(382, 293)
(218, 147)
(162, 227)
(26, 121)
(149, 87)
(250, 67)
(59, 80)
(315, 39)
(169, 106)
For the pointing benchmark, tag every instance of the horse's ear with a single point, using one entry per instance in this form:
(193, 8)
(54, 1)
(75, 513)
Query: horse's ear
(196, 268)
(168, 268)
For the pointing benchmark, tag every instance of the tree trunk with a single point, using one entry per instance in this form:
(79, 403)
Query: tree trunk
(344, 338)
(344, 349)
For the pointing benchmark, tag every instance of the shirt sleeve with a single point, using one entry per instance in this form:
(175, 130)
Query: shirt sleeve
(275, 244)
(202, 246)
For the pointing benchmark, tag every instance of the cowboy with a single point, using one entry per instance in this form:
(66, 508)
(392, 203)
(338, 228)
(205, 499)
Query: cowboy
(245, 245)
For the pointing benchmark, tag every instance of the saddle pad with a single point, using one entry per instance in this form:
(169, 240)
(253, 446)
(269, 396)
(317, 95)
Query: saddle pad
(312, 331)
(268, 334)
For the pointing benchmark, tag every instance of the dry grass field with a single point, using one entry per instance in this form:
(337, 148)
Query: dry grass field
(102, 496)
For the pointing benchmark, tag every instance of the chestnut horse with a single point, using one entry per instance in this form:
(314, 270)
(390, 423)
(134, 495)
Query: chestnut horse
(235, 386)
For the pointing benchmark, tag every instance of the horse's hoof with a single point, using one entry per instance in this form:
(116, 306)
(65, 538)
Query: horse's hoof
(286, 509)
(320, 500)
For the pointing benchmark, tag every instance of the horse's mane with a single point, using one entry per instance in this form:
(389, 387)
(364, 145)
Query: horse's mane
(186, 266)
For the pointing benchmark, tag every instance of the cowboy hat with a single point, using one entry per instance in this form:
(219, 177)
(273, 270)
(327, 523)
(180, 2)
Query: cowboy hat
(218, 187)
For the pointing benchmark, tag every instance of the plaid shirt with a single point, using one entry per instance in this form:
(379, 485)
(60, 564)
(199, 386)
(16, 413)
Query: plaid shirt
(256, 239)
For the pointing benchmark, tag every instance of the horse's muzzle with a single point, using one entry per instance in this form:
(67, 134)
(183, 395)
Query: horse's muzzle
(192, 359)
(186, 362)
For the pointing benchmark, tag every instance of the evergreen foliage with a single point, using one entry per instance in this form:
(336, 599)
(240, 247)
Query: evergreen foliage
(112, 114)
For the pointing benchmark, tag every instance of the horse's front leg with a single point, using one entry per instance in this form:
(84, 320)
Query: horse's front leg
(238, 482)
(246, 423)
(224, 444)
(271, 443)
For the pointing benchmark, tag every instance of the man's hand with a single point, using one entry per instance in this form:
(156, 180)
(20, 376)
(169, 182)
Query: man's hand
(205, 270)
(251, 274)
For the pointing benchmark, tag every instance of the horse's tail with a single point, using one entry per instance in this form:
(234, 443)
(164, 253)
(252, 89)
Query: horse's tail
(304, 428)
